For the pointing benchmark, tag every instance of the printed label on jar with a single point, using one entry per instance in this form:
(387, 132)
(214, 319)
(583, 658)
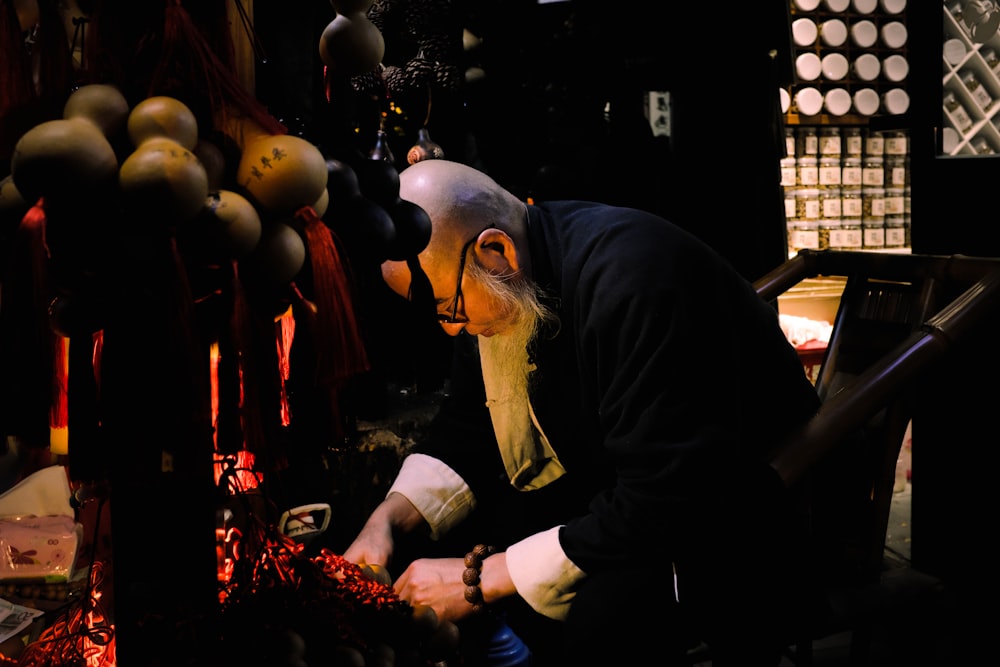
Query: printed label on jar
(894, 203)
(829, 143)
(831, 207)
(850, 206)
(873, 204)
(788, 176)
(805, 238)
(846, 238)
(789, 208)
(808, 142)
(897, 175)
(895, 144)
(959, 117)
(807, 174)
(851, 175)
(873, 237)
(829, 174)
(853, 143)
(895, 237)
(873, 175)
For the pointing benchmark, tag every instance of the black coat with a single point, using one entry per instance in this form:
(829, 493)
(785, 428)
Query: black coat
(661, 392)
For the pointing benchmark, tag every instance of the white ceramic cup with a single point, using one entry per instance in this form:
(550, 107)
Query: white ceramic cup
(835, 66)
(809, 101)
(895, 68)
(833, 32)
(867, 66)
(866, 101)
(864, 33)
(837, 101)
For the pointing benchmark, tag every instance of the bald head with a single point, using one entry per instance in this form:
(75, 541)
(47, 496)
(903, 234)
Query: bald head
(461, 202)
(459, 199)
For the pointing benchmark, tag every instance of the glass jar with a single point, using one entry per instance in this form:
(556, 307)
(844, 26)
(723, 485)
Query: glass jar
(850, 203)
(808, 142)
(982, 146)
(804, 234)
(828, 229)
(807, 204)
(790, 212)
(978, 91)
(848, 236)
(829, 172)
(895, 232)
(896, 172)
(806, 172)
(896, 144)
(872, 203)
(874, 143)
(829, 142)
(957, 113)
(873, 172)
(788, 172)
(830, 204)
(851, 173)
(873, 233)
(853, 142)
(991, 58)
(894, 205)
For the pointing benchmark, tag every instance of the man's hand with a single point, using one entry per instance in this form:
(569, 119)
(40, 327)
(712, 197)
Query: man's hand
(437, 583)
(374, 544)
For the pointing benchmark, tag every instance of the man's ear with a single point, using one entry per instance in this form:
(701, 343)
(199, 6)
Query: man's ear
(495, 250)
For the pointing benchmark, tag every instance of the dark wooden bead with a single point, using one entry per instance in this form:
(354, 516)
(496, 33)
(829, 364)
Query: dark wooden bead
(473, 594)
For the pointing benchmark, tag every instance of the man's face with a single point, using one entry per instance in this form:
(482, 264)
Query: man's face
(467, 296)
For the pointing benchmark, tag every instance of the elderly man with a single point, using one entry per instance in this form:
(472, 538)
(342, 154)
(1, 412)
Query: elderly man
(617, 390)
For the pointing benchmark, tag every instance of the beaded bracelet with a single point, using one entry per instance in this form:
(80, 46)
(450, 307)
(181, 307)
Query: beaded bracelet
(473, 568)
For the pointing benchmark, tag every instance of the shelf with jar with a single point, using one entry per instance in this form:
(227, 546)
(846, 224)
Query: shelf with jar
(846, 188)
(850, 62)
(970, 87)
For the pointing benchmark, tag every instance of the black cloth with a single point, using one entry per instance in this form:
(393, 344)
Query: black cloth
(662, 389)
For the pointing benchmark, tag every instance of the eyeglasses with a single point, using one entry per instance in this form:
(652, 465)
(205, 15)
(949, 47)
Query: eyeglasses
(455, 318)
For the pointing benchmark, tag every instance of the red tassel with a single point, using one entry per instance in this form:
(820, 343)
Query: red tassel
(34, 83)
(284, 335)
(188, 60)
(251, 407)
(340, 350)
(59, 411)
(25, 333)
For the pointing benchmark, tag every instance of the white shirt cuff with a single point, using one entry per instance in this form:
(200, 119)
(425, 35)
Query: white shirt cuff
(440, 495)
(542, 574)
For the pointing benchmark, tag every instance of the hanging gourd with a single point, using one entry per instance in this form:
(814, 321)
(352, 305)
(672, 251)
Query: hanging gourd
(350, 45)
(64, 159)
(425, 148)
(102, 104)
(281, 173)
(278, 257)
(232, 225)
(163, 179)
(162, 116)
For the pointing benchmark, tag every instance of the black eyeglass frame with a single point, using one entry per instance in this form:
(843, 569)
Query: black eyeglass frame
(454, 318)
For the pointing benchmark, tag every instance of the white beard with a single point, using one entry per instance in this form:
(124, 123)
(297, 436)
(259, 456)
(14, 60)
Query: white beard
(528, 457)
